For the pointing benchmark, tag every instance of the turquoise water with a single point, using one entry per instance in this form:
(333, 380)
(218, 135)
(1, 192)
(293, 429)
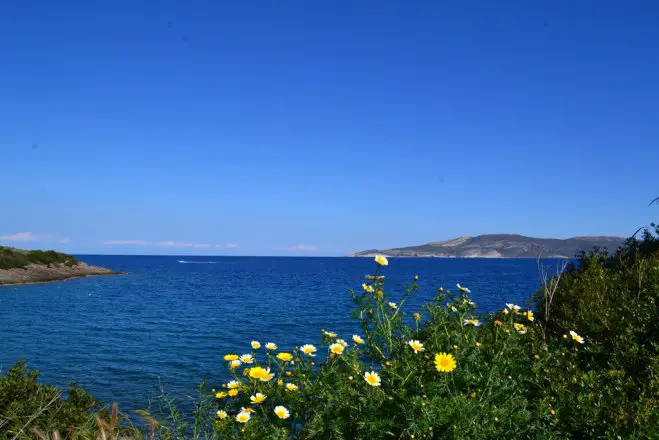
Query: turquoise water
(173, 322)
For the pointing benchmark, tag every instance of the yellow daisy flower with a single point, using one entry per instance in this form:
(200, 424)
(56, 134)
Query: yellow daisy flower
(521, 328)
(382, 260)
(234, 364)
(358, 339)
(221, 395)
(271, 346)
(246, 410)
(576, 337)
(243, 417)
(474, 322)
(233, 385)
(259, 373)
(372, 378)
(529, 316)
(336, 348)
(258, 398)
(284, 357)
(231, 357)
(291, 387)
(416, 316)
(256, 345)
(463, 289)
(247, 359)
(308, 349)
(233, 393)
(444, 362)
(342, 342)
(392, 305)
(368, 288)
(282, 412)
(222, 414)
(416, 345)
(329, 334)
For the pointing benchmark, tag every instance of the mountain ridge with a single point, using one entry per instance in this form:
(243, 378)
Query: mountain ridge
(500, 246)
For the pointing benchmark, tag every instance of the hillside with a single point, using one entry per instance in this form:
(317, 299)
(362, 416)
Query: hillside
(18, 266)
(499, 246)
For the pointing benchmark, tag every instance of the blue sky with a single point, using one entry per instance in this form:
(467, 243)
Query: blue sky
(323, 127)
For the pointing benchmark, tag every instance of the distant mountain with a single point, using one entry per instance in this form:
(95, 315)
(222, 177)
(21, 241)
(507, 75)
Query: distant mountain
(499, 246)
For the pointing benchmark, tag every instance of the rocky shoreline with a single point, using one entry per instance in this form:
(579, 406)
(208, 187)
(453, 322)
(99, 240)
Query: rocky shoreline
(41, 273)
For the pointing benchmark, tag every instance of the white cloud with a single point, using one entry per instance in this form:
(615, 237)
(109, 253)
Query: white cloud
(183, 244)
(227, 246)
(299, 248)
(19, 236)
(125, 242)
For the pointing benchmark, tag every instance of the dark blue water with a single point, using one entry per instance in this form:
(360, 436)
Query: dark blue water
(117, 335)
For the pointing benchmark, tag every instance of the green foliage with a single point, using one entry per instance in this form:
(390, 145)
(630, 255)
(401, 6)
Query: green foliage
(26, 404)
(14, 258)
(609, 388)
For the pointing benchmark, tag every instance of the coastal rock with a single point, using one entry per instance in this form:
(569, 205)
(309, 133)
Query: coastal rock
(41, 273)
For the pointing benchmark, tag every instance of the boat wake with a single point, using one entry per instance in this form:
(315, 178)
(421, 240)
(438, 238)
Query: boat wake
(196, 262)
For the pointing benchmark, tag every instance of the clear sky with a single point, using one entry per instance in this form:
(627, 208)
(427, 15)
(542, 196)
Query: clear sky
(323, 127)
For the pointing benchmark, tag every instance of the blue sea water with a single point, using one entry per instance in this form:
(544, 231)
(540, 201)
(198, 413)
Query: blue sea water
(172, 322)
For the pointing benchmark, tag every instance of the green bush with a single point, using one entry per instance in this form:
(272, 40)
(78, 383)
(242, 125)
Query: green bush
(26, 404)
(16, 258)
(610, 387)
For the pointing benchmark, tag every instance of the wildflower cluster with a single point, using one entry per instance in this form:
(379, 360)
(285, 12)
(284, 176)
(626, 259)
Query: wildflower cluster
(390, 369)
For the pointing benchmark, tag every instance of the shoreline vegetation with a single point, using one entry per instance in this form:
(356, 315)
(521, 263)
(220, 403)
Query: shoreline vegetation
(581, 361)
(19, 267)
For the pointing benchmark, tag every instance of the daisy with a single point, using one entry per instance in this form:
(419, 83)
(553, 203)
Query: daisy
(282, 412)
(258, 398)
(358, 339)
(382, 260)
(336, 348)
(416, 345)
(308, 349)
(444, 362)
(576, 337)
(247, 359)
(243, 417)
(372, 378)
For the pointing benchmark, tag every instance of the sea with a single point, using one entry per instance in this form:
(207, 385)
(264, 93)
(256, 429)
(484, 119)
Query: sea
(170, 320)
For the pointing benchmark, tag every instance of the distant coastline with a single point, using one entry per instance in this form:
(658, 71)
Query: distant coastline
(500, 246)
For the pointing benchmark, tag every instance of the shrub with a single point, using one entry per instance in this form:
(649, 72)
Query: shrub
(26, 404)
(16, 258)
(610, 387)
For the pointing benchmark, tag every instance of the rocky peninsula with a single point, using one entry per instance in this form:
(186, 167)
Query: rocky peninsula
(18, 266)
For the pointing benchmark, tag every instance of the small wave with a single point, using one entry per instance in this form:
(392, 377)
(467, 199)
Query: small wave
(196, 262)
